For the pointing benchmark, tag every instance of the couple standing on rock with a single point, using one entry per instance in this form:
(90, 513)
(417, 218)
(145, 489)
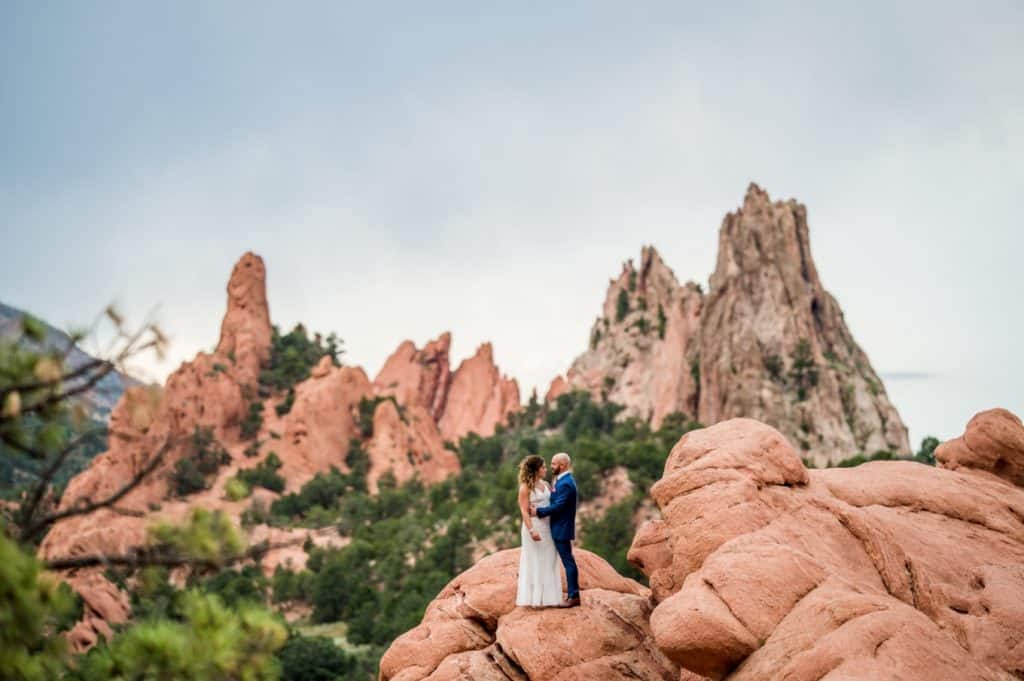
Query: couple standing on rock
(549, 526)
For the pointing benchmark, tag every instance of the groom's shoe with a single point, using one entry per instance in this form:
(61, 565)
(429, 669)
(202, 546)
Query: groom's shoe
(570, 603)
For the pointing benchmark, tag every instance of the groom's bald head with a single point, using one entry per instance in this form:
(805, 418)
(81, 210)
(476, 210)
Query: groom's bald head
(561, 462)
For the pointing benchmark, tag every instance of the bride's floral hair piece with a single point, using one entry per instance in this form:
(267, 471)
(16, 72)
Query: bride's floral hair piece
(529, 470)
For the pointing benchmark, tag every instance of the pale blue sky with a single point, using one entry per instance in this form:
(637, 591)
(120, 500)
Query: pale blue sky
(408, 168)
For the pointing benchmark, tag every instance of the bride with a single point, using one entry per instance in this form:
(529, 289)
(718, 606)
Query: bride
(540, 581)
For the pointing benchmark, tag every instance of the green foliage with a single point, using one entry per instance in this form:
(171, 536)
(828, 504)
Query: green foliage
(208, 536)
(235, 587)
(368, 407)
(612, 535)
(926, 454)
(286, 404)
(187, 479)
(578, 415)
(622, 306)
(662, 321)
(803, 372)
(264, 474)
(858, 459)
(292, 357)
(642, 324)
(33, 609)
(206, 457)
(236, 490)
(695, 369)
(632, 280)
(595, 338)
(314, 658)
(253, 421)
(209, 642)
(292, 586)
(774, 365)
(324, 491)
(33, 414)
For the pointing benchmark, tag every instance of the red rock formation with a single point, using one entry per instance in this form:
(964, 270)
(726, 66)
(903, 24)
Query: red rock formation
(765, 301)
(642, 345)
(103, 604)
(473, 630)
(993, 442)
(245, 332)
(317, 432)
(418, 376)
(479, 399)
(767, 342)
(406, 442)
(559, 386)
(765, 570)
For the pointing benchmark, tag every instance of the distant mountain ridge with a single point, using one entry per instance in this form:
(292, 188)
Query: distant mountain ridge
(17, 468)
(102, 398)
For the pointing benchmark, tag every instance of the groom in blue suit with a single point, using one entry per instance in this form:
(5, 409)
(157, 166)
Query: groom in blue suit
(562, 510)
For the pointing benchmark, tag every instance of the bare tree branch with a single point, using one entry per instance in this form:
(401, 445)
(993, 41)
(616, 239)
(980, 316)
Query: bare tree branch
(154, 556)
(84, 507)
(29, 508)
(63, 378)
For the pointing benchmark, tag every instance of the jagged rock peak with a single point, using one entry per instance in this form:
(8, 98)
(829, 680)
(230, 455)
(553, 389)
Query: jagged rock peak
(245, 331)
(480, 397)
(640, 348)
(774, 344)
(416, 376)
(762, 231)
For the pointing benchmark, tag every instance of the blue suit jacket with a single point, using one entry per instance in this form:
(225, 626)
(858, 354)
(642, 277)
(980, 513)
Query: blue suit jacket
(562, 509)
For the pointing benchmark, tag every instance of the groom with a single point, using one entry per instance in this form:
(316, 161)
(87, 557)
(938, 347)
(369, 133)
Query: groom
(562, 510)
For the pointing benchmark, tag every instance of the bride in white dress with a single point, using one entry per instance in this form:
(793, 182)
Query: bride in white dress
(540, 580)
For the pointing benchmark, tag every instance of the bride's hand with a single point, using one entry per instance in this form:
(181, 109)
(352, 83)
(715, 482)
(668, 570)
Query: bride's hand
(535, 535)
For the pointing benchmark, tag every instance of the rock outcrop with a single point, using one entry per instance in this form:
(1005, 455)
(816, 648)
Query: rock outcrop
(642, 344)
(889, 569)
(479, 399)
(559, 386)
(406, 443)
(418, 377)
(245, 332)
(473, 630)
(316, 434)
(774, 345)
(766, 342)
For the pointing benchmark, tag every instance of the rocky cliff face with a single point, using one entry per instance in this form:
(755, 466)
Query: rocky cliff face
(475, 398)
(420, 377)
(774, 345)
(480, 397)
(766, 342)
(642, 345)
(889, 568)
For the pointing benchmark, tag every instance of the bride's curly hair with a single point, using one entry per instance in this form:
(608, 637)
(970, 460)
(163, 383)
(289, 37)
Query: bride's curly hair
(529, 470)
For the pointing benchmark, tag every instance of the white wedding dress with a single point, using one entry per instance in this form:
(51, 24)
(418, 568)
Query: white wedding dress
(540, 579)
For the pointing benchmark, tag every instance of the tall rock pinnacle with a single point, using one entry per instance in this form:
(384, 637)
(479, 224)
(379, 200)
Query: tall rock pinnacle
(245, 331)
(767, 342)
(774, 345)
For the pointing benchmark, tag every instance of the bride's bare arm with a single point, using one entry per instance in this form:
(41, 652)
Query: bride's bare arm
(524, 510)
(524, 507)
